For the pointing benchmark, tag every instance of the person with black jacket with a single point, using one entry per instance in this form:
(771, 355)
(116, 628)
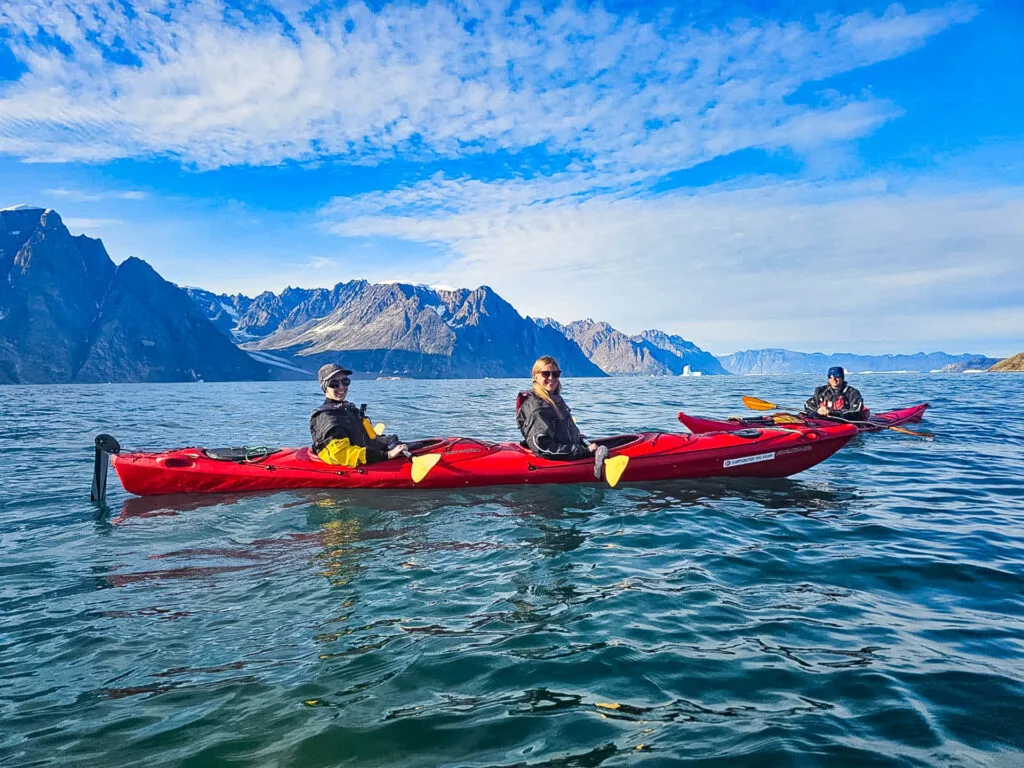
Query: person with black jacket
(546, 421)
(837, 398)
(341, 432)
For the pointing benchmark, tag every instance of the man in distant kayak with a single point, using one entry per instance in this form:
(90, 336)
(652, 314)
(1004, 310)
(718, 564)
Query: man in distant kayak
(837, 398)
(341, 432)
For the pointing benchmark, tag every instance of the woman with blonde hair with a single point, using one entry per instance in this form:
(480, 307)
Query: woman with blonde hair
(546, 421)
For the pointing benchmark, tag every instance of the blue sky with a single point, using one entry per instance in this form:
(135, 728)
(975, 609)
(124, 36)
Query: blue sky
(744, 174)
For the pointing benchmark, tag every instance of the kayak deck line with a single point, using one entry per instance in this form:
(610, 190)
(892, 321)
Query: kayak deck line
(463, 462)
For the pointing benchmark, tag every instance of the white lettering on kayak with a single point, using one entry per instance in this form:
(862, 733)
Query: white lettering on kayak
(749, 459)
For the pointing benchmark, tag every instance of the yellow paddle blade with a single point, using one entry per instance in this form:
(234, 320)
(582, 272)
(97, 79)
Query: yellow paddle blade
(421, 465)
(757, 404)
(613, 469)
(379, 427)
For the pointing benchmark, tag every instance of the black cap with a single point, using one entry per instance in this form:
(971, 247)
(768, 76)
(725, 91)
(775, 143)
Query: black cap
(837, 371)
(327, 371)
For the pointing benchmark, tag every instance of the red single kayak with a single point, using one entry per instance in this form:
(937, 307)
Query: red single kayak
(874, 422)
(753, 452)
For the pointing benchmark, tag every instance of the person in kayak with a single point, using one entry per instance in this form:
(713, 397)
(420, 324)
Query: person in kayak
(837, 398)
(341, 432)
(546, 421)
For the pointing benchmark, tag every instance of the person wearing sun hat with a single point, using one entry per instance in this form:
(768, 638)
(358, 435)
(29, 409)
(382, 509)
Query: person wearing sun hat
(341, 432)
(836, 398)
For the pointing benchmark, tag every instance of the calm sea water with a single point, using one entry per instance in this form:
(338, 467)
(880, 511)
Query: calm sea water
(869, 611)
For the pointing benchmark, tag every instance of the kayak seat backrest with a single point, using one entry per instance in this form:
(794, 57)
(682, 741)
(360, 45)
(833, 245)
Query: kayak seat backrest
(240, 454)
(521, 398)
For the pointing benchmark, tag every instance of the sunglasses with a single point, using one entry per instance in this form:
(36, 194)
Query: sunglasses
(550, 374)
(336, 383)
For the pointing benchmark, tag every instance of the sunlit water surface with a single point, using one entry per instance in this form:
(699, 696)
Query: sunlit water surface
(869, 611)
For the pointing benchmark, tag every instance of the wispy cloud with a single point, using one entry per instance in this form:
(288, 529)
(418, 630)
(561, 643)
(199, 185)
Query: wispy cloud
(204, 83)
(82, 196)
(771, 263)
(322, 262)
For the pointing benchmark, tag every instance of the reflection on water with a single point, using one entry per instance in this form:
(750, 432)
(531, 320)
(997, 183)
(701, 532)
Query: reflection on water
(868, 611)
(787, 494)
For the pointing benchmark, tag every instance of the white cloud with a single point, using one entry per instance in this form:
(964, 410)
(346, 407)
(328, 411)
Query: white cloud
(322, 262)
(82, 196)
(622, 101)
(200, 82)
(772, 264)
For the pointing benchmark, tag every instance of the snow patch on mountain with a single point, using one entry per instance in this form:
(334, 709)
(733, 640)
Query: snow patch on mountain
(263, 357)
(24, 207)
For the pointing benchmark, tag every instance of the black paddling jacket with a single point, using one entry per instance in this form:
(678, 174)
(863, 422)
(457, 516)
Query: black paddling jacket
(843, 402)
(338, 419)
(549, 432)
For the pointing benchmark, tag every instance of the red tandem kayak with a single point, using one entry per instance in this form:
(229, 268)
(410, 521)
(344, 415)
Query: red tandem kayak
(753, 452)
(874, 422)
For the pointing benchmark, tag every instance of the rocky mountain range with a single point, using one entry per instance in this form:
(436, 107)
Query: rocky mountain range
(395, 329)
(972, 363)
(772, 361)
(651, 353)
(68, 314)
(384, 330)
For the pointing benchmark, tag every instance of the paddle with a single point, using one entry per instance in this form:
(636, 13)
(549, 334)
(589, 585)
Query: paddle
(421, 465)
(757, 404)
(613, 469)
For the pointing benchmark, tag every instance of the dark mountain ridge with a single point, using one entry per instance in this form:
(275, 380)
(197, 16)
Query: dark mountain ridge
(68, 314)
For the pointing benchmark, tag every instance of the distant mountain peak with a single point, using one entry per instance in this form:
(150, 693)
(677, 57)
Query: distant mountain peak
(773, 361)
(548, 322)
(25, 207)
(652, 353)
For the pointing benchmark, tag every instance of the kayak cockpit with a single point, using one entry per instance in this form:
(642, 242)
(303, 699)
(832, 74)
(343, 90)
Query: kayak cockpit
(618, 441)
